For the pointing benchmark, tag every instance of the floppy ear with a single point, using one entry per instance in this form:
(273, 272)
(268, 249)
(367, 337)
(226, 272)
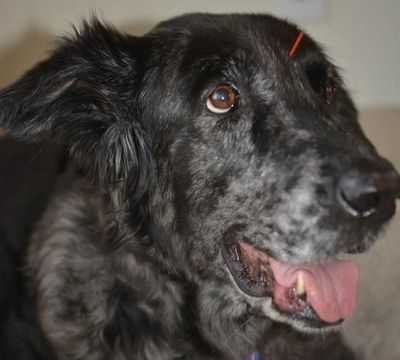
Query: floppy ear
(83, 99)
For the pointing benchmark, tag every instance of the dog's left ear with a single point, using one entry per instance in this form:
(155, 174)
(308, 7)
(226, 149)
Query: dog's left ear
(83, 98)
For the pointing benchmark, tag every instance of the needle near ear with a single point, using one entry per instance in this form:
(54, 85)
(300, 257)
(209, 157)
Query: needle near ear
(296, 44)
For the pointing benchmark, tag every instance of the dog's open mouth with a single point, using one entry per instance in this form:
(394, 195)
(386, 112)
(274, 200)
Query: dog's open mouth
(320, 295)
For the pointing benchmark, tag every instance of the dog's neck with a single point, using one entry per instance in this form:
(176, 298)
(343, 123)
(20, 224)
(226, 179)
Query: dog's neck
(189, 301)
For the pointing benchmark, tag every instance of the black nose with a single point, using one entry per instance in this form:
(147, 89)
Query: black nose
(364, 191)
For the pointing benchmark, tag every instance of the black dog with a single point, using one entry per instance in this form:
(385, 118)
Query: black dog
(216, 169)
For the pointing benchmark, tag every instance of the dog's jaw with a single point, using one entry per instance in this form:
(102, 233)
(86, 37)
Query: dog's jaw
(312, 297)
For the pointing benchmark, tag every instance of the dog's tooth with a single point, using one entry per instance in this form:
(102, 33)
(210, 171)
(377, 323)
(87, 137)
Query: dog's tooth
(234, 253)
(300, 287)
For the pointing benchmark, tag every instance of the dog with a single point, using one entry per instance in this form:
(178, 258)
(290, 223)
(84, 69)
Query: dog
(214, 170)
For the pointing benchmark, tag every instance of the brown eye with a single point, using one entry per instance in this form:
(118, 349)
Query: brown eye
(321, 79)
(222, 99)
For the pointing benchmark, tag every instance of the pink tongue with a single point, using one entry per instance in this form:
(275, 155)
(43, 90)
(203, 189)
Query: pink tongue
(331, 288)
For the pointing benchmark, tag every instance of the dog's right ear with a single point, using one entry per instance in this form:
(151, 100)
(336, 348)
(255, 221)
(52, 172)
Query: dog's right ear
(83, 98)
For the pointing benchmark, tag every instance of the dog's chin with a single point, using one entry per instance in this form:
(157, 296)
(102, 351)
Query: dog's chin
(310, 298)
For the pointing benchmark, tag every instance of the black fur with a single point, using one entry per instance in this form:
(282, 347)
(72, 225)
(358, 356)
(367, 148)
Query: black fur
(26, 181)
(126, 261)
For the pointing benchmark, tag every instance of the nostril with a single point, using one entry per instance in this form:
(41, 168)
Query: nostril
(363, 193)
(359, 201)
(369, 188)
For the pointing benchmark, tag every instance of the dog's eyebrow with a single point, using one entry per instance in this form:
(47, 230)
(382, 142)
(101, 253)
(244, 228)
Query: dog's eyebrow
(296, 44)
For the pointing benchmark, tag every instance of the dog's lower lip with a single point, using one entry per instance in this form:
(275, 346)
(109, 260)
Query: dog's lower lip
(310, 318)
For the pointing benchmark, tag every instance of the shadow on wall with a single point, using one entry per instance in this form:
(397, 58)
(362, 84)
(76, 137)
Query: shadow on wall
(18, 57)
(36, 45)
(15, 59)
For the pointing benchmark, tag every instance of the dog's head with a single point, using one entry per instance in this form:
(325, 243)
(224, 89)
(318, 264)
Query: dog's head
(236, 139)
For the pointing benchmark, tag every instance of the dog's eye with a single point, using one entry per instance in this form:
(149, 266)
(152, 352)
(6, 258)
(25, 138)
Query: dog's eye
(222, 99)
(321, 80)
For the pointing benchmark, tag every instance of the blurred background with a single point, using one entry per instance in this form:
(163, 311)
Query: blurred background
(363, 39)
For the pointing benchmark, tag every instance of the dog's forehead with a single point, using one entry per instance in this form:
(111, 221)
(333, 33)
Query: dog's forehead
(209, 35)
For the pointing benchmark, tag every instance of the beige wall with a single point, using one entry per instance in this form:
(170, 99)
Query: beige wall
(374, 329)
(363, 36)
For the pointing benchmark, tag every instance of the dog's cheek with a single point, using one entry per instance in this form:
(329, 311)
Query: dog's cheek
(200, 223)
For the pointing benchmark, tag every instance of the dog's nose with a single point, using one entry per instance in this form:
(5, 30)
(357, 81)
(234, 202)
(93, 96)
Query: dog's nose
(364, 191)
